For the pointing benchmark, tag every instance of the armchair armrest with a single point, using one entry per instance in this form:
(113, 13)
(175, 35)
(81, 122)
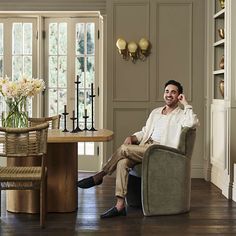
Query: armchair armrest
(165, 181)
(164, 148)
(164, 160)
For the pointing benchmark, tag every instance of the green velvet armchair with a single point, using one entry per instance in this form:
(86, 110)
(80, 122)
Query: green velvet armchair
(162, 183)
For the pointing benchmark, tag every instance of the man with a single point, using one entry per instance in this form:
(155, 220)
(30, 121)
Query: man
(163, 126)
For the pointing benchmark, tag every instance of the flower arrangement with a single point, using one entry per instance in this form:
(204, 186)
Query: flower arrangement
(16, 94)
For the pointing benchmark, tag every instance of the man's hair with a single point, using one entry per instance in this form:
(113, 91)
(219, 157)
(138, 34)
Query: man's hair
(176, 83)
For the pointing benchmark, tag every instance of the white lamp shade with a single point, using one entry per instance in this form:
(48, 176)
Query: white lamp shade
(132, 47)
(121, 44)
(143, 44)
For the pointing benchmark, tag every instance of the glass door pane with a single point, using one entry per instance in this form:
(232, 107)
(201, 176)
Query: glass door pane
(57, 67)
(18, 51)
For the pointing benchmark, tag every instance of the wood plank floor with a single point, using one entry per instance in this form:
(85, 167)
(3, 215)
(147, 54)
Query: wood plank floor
(211, 214)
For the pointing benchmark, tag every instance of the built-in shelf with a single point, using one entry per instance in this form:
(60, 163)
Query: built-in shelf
(218, 72)
(219, 43)
(218, 51)
(220, 14)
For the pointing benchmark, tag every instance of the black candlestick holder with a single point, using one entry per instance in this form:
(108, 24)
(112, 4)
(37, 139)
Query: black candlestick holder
(73, 118)
(65, 114)
(85, 122)
(77, 82)
(92, 98)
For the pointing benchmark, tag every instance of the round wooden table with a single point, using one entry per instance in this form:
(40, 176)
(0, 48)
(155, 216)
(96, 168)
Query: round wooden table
(62, 167)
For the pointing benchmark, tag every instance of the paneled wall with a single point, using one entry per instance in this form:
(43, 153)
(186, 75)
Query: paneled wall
(176, 31)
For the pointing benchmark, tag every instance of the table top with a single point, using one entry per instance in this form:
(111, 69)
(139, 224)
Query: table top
(57, 136)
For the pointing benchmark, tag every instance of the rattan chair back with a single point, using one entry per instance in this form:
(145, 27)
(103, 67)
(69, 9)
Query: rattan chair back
(27, 143)
(54, 121)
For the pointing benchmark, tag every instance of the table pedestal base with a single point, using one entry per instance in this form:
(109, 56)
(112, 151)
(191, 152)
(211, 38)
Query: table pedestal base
(62, 165)
(61, 184)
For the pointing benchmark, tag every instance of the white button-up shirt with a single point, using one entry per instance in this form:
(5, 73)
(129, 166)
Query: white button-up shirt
(175, 121)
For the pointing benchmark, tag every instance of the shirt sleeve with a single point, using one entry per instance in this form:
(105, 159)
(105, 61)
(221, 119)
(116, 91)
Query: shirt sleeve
(139, 135)
(189, 118)
(145, 128)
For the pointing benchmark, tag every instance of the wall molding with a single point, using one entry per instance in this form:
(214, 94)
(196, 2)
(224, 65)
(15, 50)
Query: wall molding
(197, 171)
(128, 65)
(54, 5)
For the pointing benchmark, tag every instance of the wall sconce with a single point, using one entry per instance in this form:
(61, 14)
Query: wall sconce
(144, 46)
(121, 45)
(133, 50)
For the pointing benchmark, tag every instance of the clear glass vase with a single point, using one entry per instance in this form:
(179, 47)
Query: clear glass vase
(16, 115)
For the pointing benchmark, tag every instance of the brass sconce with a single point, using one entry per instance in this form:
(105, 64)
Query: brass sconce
(144, 47)
(133, 50)
(121, 45)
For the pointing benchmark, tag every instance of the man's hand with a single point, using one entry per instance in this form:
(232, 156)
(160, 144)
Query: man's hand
(130, 140)
(182, 99)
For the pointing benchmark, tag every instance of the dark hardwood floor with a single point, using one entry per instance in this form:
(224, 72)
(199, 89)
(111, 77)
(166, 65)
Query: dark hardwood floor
(211, 214)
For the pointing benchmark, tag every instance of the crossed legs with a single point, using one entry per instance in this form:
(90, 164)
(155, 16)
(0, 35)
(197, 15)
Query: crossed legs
(125, 157)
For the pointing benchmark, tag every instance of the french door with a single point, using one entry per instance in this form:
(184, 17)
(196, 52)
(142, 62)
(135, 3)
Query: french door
(71, 52)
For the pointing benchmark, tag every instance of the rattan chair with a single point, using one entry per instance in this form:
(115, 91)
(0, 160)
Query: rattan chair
(54, 121)
(25, 143)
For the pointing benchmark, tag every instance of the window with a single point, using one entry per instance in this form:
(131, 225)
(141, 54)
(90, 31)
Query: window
(17, 51)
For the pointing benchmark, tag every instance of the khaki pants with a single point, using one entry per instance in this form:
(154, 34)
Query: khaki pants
(126, 157)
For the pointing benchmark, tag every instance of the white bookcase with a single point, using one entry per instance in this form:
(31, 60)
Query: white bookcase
(223, 105)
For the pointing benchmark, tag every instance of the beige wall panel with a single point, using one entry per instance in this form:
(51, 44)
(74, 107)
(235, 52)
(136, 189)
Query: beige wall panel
(130, 81)
(126, 122)
(174, 49)
(176, 32)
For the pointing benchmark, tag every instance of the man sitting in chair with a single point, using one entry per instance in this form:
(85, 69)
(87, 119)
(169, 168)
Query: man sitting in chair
(163, 127)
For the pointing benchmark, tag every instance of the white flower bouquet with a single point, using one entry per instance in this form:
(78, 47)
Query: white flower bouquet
(16, 94)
